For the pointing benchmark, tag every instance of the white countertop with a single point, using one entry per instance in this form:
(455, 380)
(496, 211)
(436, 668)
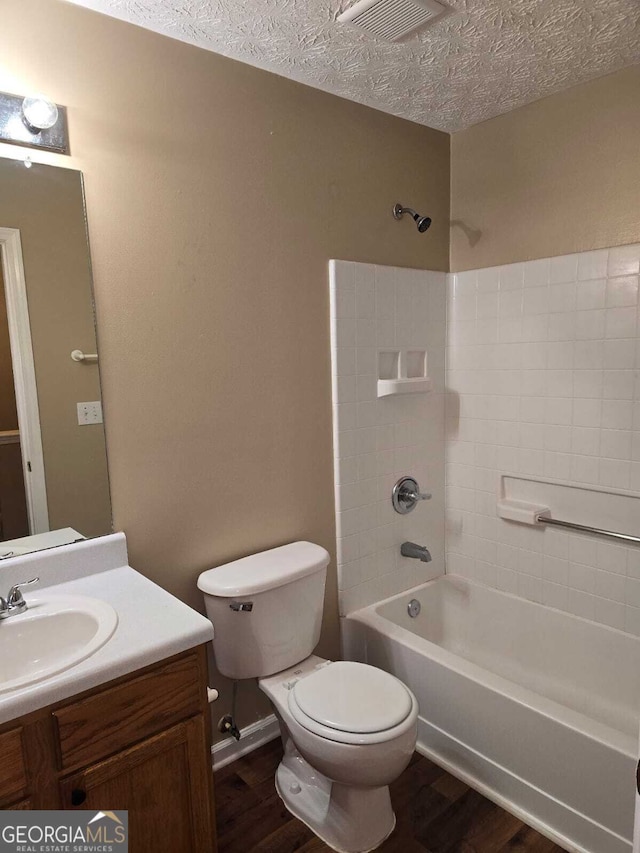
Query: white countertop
(152, 624)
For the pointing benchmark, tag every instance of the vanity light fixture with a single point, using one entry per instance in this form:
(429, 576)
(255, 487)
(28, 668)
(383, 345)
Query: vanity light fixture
(39, 113)
(34, 122)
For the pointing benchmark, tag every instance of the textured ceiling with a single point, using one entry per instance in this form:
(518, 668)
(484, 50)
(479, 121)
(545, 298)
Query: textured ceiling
(483, 58)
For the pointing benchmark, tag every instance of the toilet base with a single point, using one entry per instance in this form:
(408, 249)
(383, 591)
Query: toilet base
(347, 819)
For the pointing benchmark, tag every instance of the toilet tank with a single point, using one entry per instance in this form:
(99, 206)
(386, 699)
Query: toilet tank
(266, 609)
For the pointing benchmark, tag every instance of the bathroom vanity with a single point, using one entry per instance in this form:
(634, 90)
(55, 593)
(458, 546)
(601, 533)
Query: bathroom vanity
(140, 743)
(103, 697)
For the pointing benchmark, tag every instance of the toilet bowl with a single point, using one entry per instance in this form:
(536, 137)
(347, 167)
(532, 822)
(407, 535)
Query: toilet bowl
(342, 751)
(348, 729)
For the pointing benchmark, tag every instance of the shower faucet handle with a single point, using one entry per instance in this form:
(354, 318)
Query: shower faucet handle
(419, 496)
(406, 494)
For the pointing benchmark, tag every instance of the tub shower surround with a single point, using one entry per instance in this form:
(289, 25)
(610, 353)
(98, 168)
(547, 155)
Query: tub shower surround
(376, 310)
(519, 699)
(543, 381)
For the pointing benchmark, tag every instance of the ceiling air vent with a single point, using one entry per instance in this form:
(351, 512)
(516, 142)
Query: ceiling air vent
(392, 19)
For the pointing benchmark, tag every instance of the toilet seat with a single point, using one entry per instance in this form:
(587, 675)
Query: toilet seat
(353, 703)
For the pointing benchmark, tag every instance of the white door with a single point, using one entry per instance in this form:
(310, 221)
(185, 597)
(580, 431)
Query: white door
(25, 379)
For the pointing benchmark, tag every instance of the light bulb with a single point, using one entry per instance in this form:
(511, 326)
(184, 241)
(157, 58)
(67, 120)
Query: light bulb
(39, 113)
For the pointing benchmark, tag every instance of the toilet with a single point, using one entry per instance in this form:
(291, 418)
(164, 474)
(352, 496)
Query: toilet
(348, 729)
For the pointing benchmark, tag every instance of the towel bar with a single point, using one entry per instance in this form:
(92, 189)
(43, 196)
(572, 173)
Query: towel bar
(583, 528)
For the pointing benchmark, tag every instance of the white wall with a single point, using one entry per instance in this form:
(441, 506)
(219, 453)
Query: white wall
(376, 441)
(543, 378)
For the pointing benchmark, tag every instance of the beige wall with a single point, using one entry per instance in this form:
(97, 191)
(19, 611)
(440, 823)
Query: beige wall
(46, 205)
(216, 195)
(558, 176)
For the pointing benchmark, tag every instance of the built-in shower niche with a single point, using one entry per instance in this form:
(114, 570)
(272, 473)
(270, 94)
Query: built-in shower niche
(402, 371)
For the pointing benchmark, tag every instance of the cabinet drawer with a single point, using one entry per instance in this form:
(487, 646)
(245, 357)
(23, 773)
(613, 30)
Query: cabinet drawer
(13, 777)
(114, 718)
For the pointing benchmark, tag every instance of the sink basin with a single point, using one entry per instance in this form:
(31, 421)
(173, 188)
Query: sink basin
(54, 634)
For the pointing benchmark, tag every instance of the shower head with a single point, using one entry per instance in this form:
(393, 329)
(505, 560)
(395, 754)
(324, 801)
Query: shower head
(423, 222)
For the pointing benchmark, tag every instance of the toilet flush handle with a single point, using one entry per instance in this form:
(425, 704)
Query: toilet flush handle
(240, 606)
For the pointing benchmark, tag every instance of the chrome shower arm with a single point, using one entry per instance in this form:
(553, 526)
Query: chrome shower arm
(399, 211)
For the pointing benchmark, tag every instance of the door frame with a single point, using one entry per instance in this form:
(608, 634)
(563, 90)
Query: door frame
(24, 376)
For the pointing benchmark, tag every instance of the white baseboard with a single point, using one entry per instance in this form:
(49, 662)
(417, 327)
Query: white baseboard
(251, 737)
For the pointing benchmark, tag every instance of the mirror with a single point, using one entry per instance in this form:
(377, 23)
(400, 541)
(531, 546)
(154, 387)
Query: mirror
(54, 485)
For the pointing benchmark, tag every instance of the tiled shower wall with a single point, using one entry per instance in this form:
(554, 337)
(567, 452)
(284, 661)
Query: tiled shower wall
(376, 441)
(543, 379)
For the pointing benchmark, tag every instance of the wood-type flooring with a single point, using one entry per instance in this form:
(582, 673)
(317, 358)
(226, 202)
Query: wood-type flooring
(435, 812)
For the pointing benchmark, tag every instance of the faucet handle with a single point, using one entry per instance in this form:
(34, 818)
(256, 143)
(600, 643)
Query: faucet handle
(419, 496)
(15, 599)
(406, 494)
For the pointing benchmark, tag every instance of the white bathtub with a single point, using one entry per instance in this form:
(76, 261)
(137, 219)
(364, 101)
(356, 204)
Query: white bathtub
(533, 707)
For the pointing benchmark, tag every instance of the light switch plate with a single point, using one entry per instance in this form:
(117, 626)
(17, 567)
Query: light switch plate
(90, 413)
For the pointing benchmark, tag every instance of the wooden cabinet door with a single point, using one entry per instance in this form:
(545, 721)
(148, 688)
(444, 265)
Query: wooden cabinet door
(165, 783)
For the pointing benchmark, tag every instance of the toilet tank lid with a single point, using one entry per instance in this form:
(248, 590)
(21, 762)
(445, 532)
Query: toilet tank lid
(264, 571)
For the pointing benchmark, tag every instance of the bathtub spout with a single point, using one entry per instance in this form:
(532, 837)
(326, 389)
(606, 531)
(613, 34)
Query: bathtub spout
(417, 552)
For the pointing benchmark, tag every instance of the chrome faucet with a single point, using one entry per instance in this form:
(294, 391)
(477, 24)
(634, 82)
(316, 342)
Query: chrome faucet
(417, 552)
(14, 602)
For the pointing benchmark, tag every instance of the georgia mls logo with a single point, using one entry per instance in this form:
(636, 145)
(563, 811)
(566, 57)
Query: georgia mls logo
(63, 832)
(100, 815)
(101, 833)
